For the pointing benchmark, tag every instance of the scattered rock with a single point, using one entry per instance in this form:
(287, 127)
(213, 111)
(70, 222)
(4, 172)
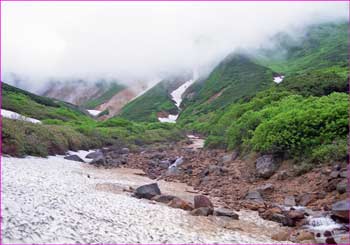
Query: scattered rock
(99, 161)
(270, 212)
(266, 166)
(254, 196)
(304, 235)
(281, 218)
(266, 189)
(342, 186)
(295, 214)
(225, 212)
(124, 151)
(164, 164)
(253, 205)
(163, 198)
(289, 201)
(226, 159)
(283, 175)
(179, 203)
(234, 155)
(341, 210)
(343, 174)
(282, 235)
(202, 201)
(147, 191)
(74, 158)
(334, 174)
(306, 198)
(94, 155)
(202, 211)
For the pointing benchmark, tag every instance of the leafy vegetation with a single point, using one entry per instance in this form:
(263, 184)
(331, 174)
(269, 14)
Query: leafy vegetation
(145, 107)
(236, 78)
(65, 127)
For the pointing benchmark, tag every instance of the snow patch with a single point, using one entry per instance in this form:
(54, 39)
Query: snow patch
(94, 112)
(278, 79)
(177, 98)
(16, 116)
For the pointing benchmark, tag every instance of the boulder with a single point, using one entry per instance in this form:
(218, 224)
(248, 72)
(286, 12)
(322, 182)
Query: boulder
(341, 209)
(265, 189)
(334, 174)
(217, 170)
(295, 214)
(202, 201)
(254, 196)
(124, 150)
(164, 164)
(283, 219)
(147, 191)
(163, 198)
(289, 201)
(179, 203)
(234, 155)
(74, 158)
(283, 175)
(225, 212)
(202, 211)
(282, 235)
(94, 155)
(270, 212)
(304, 235)
(226, 159)
(342, 186)
(306, 198)
(266, 166)
(99, 160)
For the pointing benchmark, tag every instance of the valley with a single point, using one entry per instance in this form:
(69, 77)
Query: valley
(256, 151)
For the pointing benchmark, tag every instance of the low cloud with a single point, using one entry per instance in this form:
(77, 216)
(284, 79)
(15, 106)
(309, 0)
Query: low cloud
(140, 41)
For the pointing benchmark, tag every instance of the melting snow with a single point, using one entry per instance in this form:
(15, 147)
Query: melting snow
(278, 79)
(16, 116)
(177, 98)
(94, 112)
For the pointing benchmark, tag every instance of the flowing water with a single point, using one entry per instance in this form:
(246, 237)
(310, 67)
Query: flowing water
(53, 200)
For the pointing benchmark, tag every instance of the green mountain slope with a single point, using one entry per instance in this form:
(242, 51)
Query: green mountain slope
(323, 46)
(156, 100)
(237, 77)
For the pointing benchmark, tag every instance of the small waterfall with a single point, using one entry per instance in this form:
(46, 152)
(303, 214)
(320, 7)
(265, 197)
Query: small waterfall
(322, 224)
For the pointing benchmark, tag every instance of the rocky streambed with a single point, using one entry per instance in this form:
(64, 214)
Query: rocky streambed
(55, 200)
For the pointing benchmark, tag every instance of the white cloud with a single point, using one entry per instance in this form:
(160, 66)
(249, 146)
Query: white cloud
(133, 41)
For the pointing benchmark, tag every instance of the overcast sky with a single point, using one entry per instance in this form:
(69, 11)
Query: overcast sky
(133, 41)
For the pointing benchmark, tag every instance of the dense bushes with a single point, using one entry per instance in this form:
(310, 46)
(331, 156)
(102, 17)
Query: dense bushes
(279, 122)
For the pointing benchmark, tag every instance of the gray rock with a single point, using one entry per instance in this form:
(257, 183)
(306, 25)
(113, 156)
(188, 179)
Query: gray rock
(227, 158)
(99, 161)
(174, 168)
(343, 174)
(306, 198)
(202, 201)
(289, 201)
(234, 155)
(147, 191)
(74, 158)
(124, 150)
(94, 155)
(341, 209)
(202, 211)
(342, 186)
(163, 198)
(265, 189)
(225, 212)
(281, 218)
(334, 174)
(164, 164)
(254, 196)
(266, 166)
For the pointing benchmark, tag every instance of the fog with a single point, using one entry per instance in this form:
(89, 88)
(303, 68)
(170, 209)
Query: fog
(140, 41)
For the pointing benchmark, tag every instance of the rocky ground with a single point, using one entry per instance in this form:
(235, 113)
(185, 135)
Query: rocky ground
(274, 188)
(54, 200)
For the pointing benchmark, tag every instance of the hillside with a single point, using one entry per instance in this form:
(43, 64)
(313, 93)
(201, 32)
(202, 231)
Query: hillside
(153, 103)
(65, 127)
(235, 78)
